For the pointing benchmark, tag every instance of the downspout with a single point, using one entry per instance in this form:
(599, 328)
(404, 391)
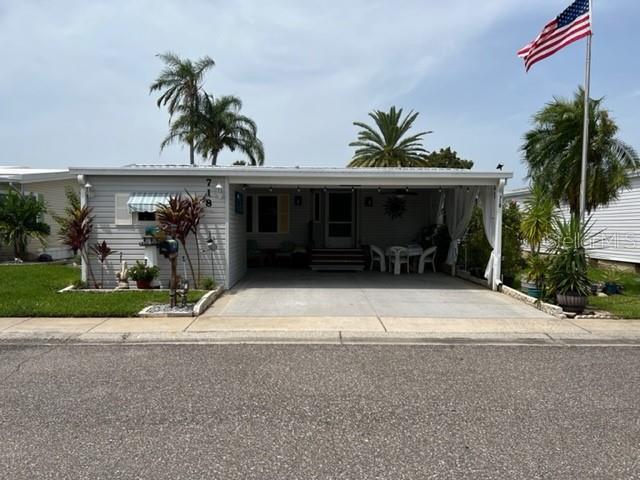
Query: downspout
(497, 266)
(83, 181)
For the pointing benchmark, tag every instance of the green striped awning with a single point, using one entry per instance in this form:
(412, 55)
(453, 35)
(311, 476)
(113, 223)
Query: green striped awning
(147, 201)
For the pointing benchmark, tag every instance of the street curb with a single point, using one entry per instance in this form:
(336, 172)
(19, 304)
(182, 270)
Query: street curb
(320, 337)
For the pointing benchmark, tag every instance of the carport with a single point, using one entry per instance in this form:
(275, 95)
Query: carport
(291, 294)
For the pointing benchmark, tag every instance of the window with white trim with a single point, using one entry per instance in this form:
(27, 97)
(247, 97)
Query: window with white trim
(122, 214)
(268, 213)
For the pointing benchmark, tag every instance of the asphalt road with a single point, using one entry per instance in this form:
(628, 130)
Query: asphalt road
(329, 412)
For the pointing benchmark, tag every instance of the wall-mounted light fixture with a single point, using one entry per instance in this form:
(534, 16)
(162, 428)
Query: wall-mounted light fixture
(219, 192)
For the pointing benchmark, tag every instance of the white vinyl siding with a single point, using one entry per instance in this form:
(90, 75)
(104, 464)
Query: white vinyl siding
(125, 239)
(53, 194)
(617, 225)
(237, 237)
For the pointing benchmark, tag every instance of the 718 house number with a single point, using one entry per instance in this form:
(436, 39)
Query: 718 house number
(207, 198)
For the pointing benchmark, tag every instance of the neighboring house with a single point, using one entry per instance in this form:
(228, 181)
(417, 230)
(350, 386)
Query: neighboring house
(310, 208)
(49, 185)
(617, 225)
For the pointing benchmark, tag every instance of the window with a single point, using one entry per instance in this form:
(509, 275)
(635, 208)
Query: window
(271, 213)
(268, 214)
(249, 213)
(146, 216)
(122, 215)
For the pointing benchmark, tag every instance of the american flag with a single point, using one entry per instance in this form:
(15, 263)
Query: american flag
(571, 25)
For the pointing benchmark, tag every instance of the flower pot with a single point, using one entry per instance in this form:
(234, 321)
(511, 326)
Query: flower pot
(143, 284)
(611, 288)
(571, 302)
(534, 292)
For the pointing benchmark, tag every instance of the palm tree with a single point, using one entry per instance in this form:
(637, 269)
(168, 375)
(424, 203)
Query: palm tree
(21, 219)
(553, 153)
(388, 146)
(218, 125)
(180, 82)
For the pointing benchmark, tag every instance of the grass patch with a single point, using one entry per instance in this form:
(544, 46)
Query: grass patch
(32, 291)
(626, 305)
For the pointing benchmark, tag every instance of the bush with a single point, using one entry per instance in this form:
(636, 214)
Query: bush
(207, 283)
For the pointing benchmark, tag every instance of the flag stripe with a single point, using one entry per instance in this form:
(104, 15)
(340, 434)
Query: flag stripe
(573, 24)
(549, 53)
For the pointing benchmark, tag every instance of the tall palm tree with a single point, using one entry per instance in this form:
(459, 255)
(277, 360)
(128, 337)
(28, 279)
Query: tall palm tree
(180, 82)
(388, 146)
(218, 125)
(553, 153)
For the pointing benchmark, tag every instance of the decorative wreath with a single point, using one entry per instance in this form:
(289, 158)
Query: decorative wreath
(395, 207)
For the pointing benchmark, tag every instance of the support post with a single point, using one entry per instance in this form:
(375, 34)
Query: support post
(497, 249)
(83, 203)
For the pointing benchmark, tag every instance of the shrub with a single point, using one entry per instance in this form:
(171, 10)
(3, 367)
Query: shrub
(207, 283)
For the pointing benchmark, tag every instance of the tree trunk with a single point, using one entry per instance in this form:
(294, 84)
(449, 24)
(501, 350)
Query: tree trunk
(214, 158)
(193, 273)
(192, 159)
(85, 259)
(197, 259)
(173, 282)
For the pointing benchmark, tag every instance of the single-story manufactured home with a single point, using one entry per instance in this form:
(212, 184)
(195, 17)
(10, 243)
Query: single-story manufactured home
(49, 185)
(617, 225)
(260, 214)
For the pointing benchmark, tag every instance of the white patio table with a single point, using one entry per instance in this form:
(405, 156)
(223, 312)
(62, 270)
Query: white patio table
(414, 251)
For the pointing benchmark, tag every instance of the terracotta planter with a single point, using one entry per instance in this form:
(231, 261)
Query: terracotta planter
(571, 302)
(143, 284)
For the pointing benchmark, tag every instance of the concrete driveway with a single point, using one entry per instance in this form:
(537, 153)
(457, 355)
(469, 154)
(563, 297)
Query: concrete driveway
(369, 295)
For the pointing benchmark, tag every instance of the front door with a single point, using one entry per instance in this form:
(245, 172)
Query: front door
(339, 220)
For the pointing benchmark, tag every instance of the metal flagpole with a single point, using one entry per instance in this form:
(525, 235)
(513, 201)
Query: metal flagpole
(585, 128)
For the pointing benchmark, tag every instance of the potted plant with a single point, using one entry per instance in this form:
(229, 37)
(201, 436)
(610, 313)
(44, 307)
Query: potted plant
(612, 282)
(568, 271)
(535, 226)
(143, 274)
(535, 275)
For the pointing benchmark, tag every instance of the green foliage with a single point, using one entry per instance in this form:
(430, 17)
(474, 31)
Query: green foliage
(511, 240)
(626, 305)
(475, 245)
(537, 269)
(388, 146)
(75, 230)
(538, 218)
(568, 270)
(20, 220)
(477, 250)
(102, 251)
(207, 283)
(446, 158)
(553, 153)
(141, 272)
(32, 291)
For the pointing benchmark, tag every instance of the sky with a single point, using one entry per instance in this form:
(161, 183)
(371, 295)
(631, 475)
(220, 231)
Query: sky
(75, 76)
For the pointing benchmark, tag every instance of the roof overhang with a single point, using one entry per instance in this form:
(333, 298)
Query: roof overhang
(288, 176)
(32, 175)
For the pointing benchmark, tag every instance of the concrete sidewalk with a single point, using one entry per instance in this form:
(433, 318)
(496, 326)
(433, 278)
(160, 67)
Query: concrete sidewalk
(337, 330)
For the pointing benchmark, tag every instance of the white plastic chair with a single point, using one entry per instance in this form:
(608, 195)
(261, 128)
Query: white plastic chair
(429, 255)
(377, 255)
(398, 256)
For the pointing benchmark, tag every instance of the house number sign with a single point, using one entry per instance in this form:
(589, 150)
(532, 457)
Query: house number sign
(207, 198)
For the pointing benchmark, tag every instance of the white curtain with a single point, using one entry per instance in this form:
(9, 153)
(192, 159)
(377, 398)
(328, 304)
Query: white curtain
(487, 202)
(459, 208)
(440, 215)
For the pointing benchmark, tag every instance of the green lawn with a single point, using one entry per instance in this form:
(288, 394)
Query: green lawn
(626, 305)
(32, 291)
